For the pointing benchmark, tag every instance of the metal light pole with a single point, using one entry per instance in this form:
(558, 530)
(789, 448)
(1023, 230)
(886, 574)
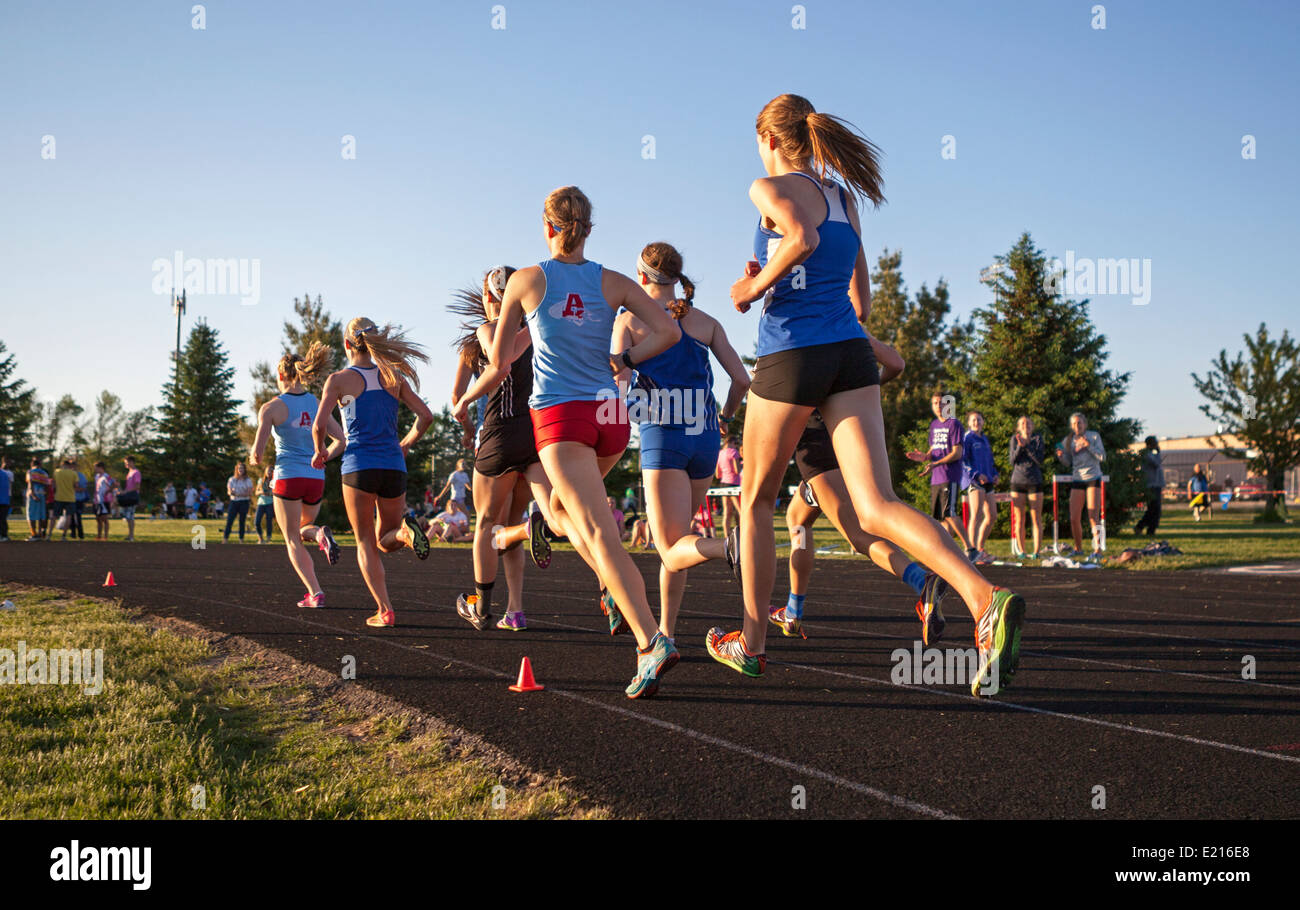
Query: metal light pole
(178, 307)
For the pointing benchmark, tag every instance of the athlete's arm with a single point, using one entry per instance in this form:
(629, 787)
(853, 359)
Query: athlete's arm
(423, 417)
(265, 420)
(662, 331)
(524, 287)
(333, 428)
(860, 286)
(891, 362)
(335, 386)
(622, 339)
(798, 230)
(461, 382)
(492, 376)
(735, 367)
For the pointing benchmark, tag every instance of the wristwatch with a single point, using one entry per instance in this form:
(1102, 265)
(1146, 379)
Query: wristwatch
(627, 360)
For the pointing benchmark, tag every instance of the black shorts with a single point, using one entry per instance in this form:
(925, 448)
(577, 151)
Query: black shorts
(986, 487)
(382, 482)
(814, 454)
(506, 447)
(1085, 484)
(1026, 487)
(808, 376)
(944, 499)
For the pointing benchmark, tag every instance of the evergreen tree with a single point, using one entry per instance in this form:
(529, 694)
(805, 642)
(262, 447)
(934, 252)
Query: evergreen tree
(18, 411)
(1258, 399)
(932, 347)
(314, 324)
(1037, 353)
(199, 425)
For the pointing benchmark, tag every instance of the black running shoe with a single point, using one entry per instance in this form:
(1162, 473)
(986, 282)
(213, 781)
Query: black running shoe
(539, 548)
(732, 545)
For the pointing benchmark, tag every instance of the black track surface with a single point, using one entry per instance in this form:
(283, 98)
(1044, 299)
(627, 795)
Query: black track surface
(1130, 681)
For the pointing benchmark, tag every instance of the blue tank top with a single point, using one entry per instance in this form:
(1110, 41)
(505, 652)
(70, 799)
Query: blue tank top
(370, 422)
(812, 306)
(293, 443)
(571, 330)
(680, 380)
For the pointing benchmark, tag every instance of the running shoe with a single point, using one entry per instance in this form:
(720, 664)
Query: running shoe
(384, 619)
(419, 540)
(651, 665)
(539, 548)
(617, 624)
(513, 621)
(984, 558)
(467, 607)
(972, 554)
(313, 600)
(732, 547)
(789, 626)
(727, 648)
(327, 545)
(929, 609)
(997, 635)
(806, 490)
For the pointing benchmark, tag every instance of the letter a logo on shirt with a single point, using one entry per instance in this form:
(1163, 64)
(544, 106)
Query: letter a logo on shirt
(572, 308)
(304, 420)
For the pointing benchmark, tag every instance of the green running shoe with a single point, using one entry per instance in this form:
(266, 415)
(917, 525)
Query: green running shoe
(997, 635)
(617, 624)
(651, 665)
(727, 648)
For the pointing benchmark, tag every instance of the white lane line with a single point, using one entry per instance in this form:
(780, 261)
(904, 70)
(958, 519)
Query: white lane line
(776, 761)
(1010, 705)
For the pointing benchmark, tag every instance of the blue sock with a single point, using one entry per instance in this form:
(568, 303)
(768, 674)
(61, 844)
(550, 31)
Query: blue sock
(794, 606)
(914, 576)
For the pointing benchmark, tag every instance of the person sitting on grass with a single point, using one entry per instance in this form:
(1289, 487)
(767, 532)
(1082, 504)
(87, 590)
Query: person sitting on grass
(641, 534)
(450, 525)
(1198, 493)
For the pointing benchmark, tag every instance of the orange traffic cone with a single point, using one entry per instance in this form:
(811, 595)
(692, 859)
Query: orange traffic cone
(109, 582)
(526, 682)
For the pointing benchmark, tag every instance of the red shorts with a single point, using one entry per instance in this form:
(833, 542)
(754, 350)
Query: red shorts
(310, 490)
(600, 425)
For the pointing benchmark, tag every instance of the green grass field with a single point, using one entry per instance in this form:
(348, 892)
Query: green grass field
(174, 716)
(1230, 538)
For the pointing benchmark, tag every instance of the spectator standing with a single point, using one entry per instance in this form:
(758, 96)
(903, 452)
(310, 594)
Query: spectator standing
(205, 496)
(943, 463)
(240, 489)
(728, 474)
(191, 500)
(82, 497)
(979, 475)
(65, 497)
(1153, 475)
(169, 499)
(37, 482)
(458, 483)
(1027, 454)
(1198, 493)
(104, 484)
(130, 495)
(265, 509)
(6, 493)
(1082, 453)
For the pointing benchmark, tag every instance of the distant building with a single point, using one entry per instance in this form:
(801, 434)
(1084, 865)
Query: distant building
(1182, 453)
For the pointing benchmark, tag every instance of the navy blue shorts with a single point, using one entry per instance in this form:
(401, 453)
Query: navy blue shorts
(674, 449)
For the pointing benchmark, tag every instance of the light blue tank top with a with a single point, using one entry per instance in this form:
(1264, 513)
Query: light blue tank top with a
(293, 443)
(571, 330)
(811, 304)
(682, 377)
(370, 422)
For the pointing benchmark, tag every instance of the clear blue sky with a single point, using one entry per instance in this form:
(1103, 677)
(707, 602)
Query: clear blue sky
(225, 143)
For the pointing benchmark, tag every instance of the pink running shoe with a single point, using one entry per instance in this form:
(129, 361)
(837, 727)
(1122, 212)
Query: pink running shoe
(313, 600)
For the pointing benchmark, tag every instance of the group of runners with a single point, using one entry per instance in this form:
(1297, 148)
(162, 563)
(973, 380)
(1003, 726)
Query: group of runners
(567, 353)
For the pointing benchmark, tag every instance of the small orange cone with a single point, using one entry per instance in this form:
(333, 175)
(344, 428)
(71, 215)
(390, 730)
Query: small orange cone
(109, 582)
(526, 682)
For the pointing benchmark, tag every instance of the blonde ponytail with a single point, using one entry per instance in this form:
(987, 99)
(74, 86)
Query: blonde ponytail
(389, 349)
(826, 143)
(307, 368)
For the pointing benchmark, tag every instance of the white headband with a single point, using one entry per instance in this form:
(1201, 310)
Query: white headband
(653, 273)
(497, 282)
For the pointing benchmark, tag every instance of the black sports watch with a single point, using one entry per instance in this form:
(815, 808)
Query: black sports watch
(627, 360)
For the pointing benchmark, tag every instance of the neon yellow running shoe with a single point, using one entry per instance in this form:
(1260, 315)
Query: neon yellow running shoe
(997, 635)
(789, 626)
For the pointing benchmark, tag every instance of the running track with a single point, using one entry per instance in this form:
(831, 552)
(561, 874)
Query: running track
(1129, 680)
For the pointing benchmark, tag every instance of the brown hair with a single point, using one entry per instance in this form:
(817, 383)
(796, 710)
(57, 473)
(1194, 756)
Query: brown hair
(388, 346)
(468, 303)
(827, 143)
(307, 367)
(663, 257)
(568, 211)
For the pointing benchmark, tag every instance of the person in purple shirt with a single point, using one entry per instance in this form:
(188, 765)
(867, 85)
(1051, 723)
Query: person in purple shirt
(979, 474)
(943, 464)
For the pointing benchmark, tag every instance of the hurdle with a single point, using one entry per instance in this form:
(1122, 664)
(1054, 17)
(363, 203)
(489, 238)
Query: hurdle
(1098, 531)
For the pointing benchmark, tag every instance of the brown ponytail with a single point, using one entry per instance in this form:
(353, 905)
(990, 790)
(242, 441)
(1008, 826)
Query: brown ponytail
(568, 211)
(309, 367)
(824, 142)
(389, 349)
(667, 261)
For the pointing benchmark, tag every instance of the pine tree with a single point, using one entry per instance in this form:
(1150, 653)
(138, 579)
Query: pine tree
(315, 324)
(199, 425)
(1037, 353)
(931, 346)
(18, 411)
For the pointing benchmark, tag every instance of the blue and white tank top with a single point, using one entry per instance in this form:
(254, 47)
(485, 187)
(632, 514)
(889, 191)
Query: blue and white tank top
(293, 443)
(678, 385)
(571, 330)
(370, 422)
(811, 305)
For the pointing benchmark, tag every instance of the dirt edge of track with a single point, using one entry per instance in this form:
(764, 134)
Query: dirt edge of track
(324, 688)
